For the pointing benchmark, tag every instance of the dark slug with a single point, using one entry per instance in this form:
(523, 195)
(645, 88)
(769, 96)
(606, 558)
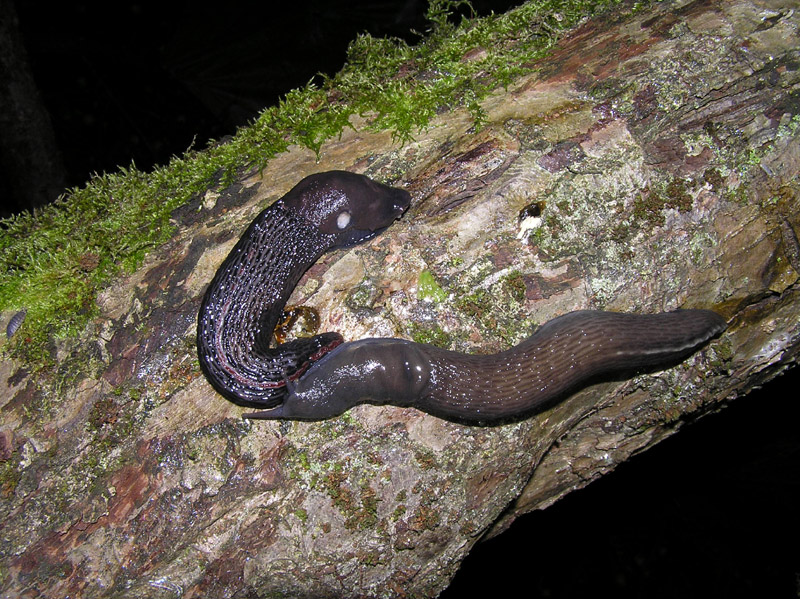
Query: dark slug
(323, 377)
(564, 354)
(246, 297)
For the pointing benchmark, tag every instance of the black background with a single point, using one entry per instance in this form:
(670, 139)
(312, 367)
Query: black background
(140, 82)
(711, 512)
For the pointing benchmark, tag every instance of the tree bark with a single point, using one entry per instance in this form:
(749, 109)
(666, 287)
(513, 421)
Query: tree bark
(661, 148)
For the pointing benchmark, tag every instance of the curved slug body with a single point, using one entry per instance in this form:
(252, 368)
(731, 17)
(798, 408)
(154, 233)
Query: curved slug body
(244, 301)
(561, 356)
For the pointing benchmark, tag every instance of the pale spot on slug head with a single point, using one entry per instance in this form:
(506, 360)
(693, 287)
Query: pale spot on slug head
(343, 220)
(338, 201)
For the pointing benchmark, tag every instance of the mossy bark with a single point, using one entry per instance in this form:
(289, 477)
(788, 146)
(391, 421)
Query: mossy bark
(654, 156)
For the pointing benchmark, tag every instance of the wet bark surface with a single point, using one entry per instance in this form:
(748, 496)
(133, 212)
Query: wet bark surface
(649, 163)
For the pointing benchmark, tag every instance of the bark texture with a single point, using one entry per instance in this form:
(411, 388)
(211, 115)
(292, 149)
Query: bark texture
(655, 157)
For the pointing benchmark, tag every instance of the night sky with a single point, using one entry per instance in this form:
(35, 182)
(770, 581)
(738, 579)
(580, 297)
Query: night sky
(141, 82)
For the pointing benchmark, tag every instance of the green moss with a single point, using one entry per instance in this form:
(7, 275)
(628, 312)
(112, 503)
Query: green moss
(432, 335)
(301, 514)
(499, 310)
(362, 296)
(102, 412)
(428, 288)
(360, 511)
(303, 459)
(426, 518)
(425, 459)
(714, 178)
(674, 193)
(724, 350)
(474, 304)
(399, 512)
(678, 196)
(54, 261)
(367, 516)
(514, 285)
(9, 477)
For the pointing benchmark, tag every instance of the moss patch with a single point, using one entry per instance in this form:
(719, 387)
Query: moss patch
(428, 288)
(9, 478)
(650, 205)
(430, 335)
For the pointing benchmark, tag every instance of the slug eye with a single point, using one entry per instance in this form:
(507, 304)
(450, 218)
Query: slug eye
(343, 220)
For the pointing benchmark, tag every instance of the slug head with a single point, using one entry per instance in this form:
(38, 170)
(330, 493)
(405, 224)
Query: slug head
(351, 207)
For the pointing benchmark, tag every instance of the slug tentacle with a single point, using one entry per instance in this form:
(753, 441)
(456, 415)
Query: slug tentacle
(321, 377)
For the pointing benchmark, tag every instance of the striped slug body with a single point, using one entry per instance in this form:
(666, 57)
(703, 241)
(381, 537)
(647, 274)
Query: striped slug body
(562, 356)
